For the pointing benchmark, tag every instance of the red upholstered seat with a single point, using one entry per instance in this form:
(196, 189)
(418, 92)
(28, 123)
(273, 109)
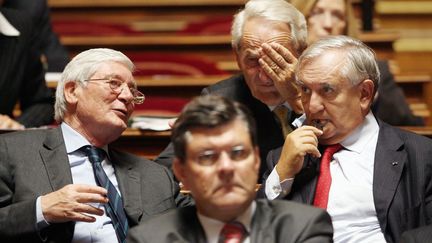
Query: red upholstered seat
(91, 28)
(160, 106)
(155, 63)
(209, 26)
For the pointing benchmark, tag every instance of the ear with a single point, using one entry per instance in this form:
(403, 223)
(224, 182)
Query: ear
(179, 170)
(366, 94)
(237, 55)
(258, 159)
(69, 90)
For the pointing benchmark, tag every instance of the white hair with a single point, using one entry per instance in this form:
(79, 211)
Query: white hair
(83, 66)
(360, 60)
(276, 10)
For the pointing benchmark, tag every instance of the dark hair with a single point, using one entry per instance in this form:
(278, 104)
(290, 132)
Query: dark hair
(209, 111)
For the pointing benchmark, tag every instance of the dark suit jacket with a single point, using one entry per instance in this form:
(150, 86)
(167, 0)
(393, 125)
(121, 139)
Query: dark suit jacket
(44, 40)
(34, 163)
(275, 221)
(269, 131)
(402, 181)
(22, 75)
(391, 105)
(419, 235)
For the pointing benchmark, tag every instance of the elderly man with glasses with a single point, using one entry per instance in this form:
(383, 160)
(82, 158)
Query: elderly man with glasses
(67, 184)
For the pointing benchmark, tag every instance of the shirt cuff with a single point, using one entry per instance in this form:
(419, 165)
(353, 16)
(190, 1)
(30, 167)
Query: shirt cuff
(275, 189)
(41, 223)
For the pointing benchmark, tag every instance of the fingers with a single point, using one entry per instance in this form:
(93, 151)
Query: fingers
(278, 63)
(74, 203)
(8, 123)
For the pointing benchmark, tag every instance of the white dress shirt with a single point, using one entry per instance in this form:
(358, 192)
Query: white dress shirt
(213, 227)
(351, 203)
(82, 173)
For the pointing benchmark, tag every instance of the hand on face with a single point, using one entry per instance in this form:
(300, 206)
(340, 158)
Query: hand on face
(279, 64)
(71, 203)
(298, 143)
(8, 123)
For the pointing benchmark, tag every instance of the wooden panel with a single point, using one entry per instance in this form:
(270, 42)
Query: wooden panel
(122, 3)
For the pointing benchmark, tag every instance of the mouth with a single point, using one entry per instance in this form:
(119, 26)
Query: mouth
(319, 123)
(122, 112)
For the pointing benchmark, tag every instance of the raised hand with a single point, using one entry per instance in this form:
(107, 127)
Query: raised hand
(279, 64)
(302, 141)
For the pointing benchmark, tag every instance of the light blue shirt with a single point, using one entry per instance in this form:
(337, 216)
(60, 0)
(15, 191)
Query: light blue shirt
(82, 173)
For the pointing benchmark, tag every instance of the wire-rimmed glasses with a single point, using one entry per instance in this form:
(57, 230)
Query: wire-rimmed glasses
(117, 87)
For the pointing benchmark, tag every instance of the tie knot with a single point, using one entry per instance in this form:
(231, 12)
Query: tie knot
(332, 149)
(281, 112)
(233, 232)
(95, 155)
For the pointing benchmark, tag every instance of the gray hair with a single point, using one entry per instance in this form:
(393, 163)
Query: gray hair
(360, 60)
(276, 10)
(83, 66)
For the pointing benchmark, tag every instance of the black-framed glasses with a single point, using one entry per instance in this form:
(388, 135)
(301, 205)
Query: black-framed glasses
(117, 87)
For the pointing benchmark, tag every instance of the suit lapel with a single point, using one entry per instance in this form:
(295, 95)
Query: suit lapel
(55, 159)
(130, 185)
(390, 159)
(260, 223)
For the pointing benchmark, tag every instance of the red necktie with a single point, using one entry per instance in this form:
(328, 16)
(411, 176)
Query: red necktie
(233, 232)
(324, 177)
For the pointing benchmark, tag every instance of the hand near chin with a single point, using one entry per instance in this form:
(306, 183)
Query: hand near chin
(298, 143)
(279, 64)
(72, 203)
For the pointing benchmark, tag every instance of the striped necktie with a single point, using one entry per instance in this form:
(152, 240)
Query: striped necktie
(114, 208)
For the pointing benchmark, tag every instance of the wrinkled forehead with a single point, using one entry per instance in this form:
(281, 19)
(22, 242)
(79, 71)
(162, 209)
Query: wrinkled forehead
(323, 68)
(257, 31)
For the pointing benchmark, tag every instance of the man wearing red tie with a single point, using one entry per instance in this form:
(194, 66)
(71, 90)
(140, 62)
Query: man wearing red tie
(217, 159)
(373, 179)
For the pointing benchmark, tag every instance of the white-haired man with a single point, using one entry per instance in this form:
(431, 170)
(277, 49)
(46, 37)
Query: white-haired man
(66, 184)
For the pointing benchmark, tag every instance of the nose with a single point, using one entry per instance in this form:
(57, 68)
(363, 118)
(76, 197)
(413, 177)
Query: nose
(315, 103)
(226, 166)
(327, 21)
(125, 94)
(264, 78)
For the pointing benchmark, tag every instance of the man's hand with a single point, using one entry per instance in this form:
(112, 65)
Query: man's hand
(8, 123)
(302, 141)
(71, 203)
(279, 64)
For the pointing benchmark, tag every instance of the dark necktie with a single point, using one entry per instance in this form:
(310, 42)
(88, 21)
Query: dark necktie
(324, 177)
(281, 113)
(114, 208)
(233, 232)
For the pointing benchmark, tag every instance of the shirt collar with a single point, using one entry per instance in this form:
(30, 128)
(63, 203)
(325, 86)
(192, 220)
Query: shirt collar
(6, 28)
(212, 227)
(74, 140)
(361, 136)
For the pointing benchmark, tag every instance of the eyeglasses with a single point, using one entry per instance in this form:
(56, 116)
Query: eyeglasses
(211, 157)
(117, 87)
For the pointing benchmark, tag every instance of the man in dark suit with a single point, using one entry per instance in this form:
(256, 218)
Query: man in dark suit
(419, 235)
(266, 39)
(44, 40)
(379, 184)
(48, 189)
(22, 75)
(217, 158)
